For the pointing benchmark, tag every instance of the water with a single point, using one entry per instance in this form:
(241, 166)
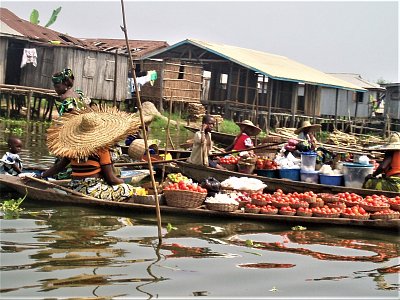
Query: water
(59, 251)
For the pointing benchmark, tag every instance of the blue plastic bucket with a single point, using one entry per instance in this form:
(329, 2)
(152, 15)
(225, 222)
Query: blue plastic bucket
(268, 173)
(310, 177)
(292, 174)
(308, 161)
(331, 179)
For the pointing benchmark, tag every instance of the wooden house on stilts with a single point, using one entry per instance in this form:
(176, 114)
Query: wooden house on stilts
(271, 90)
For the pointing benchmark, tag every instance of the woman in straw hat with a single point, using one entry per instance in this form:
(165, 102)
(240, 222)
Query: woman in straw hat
(83, 139)
(243, 140)
(306, 132)
(388, 169)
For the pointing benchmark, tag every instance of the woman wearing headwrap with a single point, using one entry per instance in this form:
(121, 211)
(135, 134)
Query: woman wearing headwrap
(70, 99)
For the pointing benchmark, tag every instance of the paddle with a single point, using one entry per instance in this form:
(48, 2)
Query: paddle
(142, 163)
(248, 149)
(61, 188)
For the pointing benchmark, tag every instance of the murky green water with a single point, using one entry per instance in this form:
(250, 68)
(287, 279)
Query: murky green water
(53, 251)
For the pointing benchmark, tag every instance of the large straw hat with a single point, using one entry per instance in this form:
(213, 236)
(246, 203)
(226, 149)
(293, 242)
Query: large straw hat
(394, 142)
(78, 134)
(305, 125)
(251, 129)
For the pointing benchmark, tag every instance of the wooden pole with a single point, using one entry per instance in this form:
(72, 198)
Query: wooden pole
(62, 188)
(28, 108)
(115, 79)
(139, 103)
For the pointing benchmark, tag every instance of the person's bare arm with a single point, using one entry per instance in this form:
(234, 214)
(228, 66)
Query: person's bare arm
(56, 168)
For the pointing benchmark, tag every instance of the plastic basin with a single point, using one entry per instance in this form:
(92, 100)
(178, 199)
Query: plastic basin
(331, 179)
(292, 174)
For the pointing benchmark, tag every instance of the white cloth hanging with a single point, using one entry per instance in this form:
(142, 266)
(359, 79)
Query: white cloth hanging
(29, 57)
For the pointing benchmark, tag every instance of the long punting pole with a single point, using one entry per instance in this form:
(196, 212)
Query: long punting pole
(139, 105)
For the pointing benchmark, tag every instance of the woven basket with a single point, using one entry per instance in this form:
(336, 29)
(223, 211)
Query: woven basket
(222, 206)
(374, 208)
(385, 216)
(310, 199)
(297, 205)
(336, 204)
(230, 167)
(317, 204)
(242, 203)
(287, 213)
(304, 214)
(273, 212)
(336, 215)
(149, 199)
(137, 149)
(260, 202)
(360, 217)
(252, 210)
(184, 199)
(350, 203)
(395, 206)
(279, 204)
(329, 198)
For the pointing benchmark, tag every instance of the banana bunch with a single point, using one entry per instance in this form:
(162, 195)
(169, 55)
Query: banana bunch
(177, 177)
(139, 191)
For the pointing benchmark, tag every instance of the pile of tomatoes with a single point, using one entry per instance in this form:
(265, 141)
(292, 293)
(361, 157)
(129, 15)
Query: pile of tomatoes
(182, 186)
(266, 164)
(229, 160)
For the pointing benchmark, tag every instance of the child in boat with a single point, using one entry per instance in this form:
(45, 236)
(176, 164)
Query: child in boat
(11, 162)
(202, 144)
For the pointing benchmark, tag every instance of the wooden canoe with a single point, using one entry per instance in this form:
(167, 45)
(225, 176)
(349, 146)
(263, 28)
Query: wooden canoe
(198, 173)
(223, 139)
(39, 191)
(175, 153)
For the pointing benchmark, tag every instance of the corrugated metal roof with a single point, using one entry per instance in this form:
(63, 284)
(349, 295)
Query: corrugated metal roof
(5, 29)
(39, 33)
(138, 48)
(358, 80)
(271, 65)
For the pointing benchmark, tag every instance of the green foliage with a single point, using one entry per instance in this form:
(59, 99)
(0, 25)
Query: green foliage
(170, 227)
(34, 17)
(53, 17)
(382, 81)
(15, 131)
(11, 208)
(228, 126)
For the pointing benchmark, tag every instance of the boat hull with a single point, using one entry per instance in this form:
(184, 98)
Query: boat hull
(198, 173)
(42, 192)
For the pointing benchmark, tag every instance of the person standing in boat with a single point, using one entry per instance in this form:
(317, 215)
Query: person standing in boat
(11, 162)
(202, 144)
(243, 140)
(386, 177)
(70, 99)
(83, 139)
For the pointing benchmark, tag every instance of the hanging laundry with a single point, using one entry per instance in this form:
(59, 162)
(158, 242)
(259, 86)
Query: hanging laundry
(29, 56)
(153, 76)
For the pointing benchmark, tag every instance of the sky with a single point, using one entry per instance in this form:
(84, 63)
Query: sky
(360, 37)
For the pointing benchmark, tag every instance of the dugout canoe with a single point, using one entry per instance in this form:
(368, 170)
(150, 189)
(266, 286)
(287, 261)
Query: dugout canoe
(223, 139)
(175, 153)
(39, 191)
(198, 173)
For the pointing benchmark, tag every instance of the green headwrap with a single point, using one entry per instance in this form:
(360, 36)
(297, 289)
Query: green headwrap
(62, 76)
